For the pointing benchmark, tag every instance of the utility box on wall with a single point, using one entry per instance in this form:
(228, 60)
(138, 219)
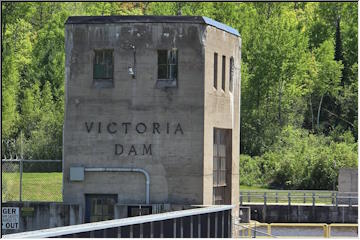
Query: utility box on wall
(152, 112)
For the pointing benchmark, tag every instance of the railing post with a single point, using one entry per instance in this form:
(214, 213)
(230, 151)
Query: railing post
(151, 229)
(141, 230)
(223, 224)
(248, 194)
(119, 232)
(131, 231)
(181, 227)
(208, 225)
(199, 226)
(161, 229)
(332, 198)
(216, 224)
(304, 197)
(265, 198)
(289, 198)
(174, 228)
(191, 226)
(276, 197)
(241, 198)
(313, 199)
(336, 199)
(350, 204)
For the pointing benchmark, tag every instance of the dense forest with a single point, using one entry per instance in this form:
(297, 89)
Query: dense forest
(298, 95)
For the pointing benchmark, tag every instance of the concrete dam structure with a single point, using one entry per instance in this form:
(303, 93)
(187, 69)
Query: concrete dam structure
(152, 114)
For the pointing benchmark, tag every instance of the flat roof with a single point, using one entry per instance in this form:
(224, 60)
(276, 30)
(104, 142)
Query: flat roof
(151, 19)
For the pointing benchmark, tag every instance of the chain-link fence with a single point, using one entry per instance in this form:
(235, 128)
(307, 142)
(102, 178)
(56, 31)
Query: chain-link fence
(31, 180)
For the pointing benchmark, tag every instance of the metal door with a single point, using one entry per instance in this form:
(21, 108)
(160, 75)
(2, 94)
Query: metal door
(99, 207)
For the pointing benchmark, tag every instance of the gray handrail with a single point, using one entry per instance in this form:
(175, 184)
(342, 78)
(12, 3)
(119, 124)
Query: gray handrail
(288, 195)
(255, 230)
(90, 227)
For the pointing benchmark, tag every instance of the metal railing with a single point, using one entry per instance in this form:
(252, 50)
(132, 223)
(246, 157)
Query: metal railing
(273, 230)
(31, 180)
(211, 221)
(306, 197)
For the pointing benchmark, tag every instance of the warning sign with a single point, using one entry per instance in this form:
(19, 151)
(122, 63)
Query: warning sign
(10, 218)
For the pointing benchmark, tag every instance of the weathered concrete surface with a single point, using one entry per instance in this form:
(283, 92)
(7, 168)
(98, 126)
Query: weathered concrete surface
(45, 215)
(303, 214)
(222, 109)
(348, 180)
(180, 163)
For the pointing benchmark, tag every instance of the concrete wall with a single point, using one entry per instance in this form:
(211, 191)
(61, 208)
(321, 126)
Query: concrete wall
(348, 180)
(180, 163)
(175, 165)
(44, 215)
(303, 214)
(222, 108)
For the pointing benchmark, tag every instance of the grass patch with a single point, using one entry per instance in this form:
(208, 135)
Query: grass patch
(36, 187)
(244, 187)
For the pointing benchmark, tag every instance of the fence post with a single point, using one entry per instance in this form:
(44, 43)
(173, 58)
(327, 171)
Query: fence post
(241, 198)
(336, 199)
(21, 165)
(276, 197)
(248, 196)
(313, 199)
(265, 198)
(21, 172)
(332, 198)
(289, 198)
(350, 205)
(304, 197)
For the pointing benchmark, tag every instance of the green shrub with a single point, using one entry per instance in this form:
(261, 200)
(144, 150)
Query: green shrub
(250, 171)
(300, 160)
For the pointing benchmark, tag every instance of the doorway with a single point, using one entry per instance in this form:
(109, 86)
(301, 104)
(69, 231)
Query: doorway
(99, 207)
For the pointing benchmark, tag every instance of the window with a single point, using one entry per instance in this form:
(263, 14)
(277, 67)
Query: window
(231, 74)
(222, 166)
(103, 68)
(215, 69)
(167, 68)
(223, 73)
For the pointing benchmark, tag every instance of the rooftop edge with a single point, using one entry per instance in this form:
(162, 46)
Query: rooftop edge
(151, 19)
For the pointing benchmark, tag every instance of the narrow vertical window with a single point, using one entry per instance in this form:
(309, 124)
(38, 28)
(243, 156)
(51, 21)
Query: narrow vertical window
(103, 68)
(231, 74)
(223, 73)
(215, 69)
(167, 68)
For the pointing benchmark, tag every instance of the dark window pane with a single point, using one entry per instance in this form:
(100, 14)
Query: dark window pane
(162, 71)
(162, 57)
(223, 73)
(231, 74)
(99, 71)
(103, 64)
(215, 69)
(167, 64)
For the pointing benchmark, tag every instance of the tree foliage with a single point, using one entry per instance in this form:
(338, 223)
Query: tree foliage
(300, 160)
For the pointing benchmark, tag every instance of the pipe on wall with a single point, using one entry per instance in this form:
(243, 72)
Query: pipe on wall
(115, 169)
